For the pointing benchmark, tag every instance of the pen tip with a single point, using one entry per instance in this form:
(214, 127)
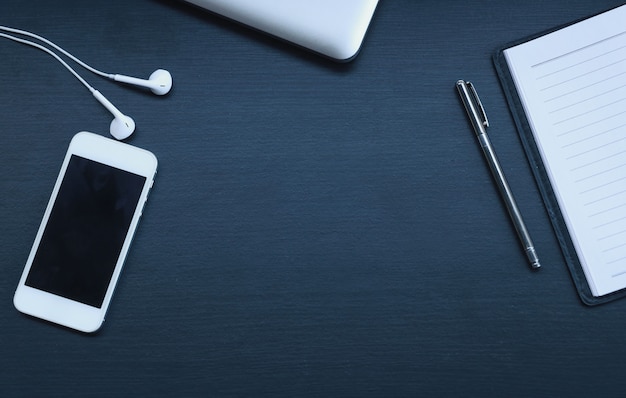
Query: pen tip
(532, 257)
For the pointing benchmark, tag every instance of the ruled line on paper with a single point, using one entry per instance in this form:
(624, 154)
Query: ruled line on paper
(590, 124)
(580, 63)
(579, 49)
(603, 211)
(590, 85)
(596, 161)
(570, 118)
(612, 195)
(612, 235)
(588, 99)
(587, 73)
(610, 249)
(609, 223)
(591, 137)
(598, 148)
(606, 184)
(600, 173)
(619, 273)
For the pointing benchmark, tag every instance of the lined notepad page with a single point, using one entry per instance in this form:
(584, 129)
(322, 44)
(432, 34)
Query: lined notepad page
(572, 84)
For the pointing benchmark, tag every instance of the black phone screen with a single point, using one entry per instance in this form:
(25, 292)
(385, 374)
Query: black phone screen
(85, 232)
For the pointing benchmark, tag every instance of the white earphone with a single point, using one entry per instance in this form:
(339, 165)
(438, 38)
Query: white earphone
(159, 82)
(122, 126)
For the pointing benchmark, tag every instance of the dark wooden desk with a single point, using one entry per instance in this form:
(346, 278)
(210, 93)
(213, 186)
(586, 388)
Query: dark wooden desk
(315, 229)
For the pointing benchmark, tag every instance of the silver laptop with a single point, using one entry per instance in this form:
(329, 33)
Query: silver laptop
(334, 28)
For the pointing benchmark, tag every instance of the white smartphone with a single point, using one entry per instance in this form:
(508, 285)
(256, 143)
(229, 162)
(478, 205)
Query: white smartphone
(86, 231)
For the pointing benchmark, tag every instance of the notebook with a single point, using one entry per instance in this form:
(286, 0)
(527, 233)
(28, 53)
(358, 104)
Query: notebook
(334, 28)
(567, 90)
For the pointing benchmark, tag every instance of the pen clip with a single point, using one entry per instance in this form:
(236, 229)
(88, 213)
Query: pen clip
(483, 114)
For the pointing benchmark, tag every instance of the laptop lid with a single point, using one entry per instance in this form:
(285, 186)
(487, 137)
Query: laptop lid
(334, 28)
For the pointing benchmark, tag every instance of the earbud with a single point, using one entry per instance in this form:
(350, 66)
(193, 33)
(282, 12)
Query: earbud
(122, 126)
(160, 81)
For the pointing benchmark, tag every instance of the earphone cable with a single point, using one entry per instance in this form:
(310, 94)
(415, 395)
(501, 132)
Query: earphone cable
(56, 47)
(53, 54)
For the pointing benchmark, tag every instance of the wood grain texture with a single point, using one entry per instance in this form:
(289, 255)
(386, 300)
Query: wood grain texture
(315, 229)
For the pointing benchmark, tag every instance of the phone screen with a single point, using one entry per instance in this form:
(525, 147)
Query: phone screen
(85, 232)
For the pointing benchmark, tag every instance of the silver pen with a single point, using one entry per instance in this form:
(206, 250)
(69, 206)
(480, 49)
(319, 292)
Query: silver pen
(478, 117)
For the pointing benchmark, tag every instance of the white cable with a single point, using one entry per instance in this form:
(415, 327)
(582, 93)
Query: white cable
(48, 51)
(58, 48)
(122, 126)
(159, 82)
